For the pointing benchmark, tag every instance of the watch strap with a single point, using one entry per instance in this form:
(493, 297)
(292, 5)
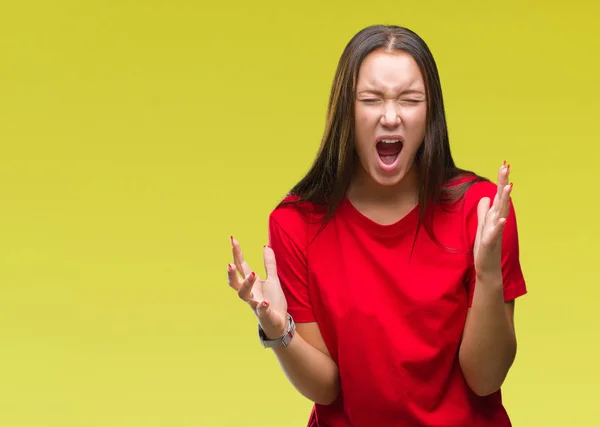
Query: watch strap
(282, 341)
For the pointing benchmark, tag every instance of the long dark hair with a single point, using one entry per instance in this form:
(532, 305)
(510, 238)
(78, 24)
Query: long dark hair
(328, 180)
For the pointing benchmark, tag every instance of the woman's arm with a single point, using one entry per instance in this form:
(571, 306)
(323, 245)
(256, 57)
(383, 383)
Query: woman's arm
(305, 360)
(489, 343)
(308, 365)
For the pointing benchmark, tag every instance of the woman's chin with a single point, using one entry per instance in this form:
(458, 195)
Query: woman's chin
(388, 179)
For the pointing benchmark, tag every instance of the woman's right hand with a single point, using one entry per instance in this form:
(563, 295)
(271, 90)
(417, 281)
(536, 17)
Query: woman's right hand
(265, 297)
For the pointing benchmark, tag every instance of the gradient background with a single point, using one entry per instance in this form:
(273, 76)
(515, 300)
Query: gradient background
(136, 136)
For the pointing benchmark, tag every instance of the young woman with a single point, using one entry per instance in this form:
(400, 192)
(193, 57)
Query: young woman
(391, 273)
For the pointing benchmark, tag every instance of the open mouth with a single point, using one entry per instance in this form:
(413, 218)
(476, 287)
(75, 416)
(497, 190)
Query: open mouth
(389, 149)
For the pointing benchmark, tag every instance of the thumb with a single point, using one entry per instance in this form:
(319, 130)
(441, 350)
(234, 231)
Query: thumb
(263, 309)
(482, 208)
(272, 323)
(270, 263)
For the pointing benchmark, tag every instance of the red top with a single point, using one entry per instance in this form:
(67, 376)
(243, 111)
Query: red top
(392, 325)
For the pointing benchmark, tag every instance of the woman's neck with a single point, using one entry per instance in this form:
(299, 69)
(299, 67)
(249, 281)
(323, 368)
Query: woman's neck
(384, 204)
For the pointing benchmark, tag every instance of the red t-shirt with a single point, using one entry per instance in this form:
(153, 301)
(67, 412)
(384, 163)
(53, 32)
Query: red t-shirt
(392, 323)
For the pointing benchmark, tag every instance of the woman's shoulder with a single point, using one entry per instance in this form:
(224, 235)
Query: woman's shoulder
(478, 188)
(294, 215)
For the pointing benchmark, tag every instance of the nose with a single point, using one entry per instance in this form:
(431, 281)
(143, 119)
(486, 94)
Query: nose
(390, 117)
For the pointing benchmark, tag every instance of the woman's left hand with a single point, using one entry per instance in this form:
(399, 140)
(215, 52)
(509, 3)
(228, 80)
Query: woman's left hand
(491, 220)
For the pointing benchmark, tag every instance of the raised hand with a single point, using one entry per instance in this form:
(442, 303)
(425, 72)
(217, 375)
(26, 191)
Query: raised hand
(265, 297)
(491, 220)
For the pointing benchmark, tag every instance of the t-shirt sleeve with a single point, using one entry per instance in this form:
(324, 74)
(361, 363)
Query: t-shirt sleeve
(292, 269)
(512, 274)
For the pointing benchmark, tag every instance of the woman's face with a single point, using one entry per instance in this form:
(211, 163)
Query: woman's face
(390, 115)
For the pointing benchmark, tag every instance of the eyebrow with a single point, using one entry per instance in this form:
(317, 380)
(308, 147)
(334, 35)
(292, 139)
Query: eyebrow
(404, 92)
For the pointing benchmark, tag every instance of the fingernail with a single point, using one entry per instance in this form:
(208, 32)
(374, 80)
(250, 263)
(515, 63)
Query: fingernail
(265, 304)
(504, 163)
(231, 238)
(508, 167)
(267, 246)
(253, 275)
(510, 186)
(229, 268)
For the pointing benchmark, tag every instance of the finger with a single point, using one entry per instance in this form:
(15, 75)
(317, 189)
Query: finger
(270, 263)
(495, 234)
(238, 258)
(502, 182)
(505, 205)
(262, 309)
(482, 209)
(233, 279)
(254, 304)
(245, 291)
(503, 173)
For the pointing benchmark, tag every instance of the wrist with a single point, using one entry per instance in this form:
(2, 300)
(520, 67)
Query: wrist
(489, 278)
(274, 333)
(488, 290)
(278, 337)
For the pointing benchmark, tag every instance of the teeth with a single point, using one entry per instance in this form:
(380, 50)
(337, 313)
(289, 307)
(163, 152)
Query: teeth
(390, 141)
